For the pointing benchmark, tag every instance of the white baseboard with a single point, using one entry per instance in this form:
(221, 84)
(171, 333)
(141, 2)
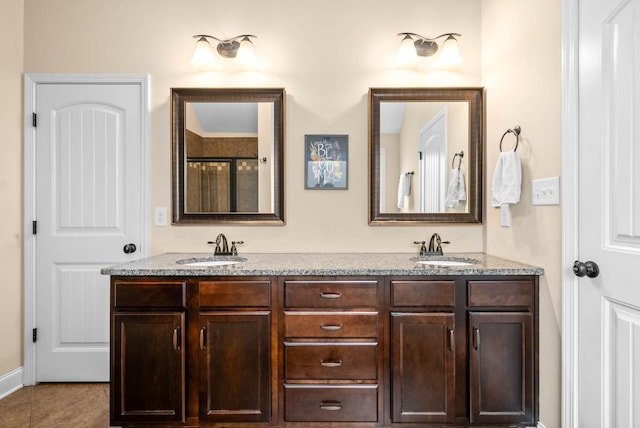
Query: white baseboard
(10, 382)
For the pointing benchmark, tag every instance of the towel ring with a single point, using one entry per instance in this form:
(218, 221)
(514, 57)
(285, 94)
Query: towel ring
(515, 131)
(453, 161)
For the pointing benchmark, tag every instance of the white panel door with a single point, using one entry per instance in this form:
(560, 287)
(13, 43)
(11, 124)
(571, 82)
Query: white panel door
(89, 200)
(609, 214)
(432, 150)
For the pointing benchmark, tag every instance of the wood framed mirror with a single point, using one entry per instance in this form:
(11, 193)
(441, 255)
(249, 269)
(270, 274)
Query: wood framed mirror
(227, 155)
(417, 138)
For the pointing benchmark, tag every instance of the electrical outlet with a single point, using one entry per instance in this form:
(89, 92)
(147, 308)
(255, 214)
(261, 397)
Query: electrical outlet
(160, 216)
(545, 191)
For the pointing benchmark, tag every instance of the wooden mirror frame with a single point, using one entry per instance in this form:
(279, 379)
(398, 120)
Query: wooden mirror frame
(179, 98)
(475, 97)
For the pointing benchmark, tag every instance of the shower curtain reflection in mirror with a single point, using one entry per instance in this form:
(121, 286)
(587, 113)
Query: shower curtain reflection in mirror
(224, 185)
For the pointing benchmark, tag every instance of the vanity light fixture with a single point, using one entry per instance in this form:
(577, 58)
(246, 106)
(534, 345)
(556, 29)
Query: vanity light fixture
(239, 47)
(414, 45)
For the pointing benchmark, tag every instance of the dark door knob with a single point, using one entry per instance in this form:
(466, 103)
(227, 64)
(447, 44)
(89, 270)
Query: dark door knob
(129, 248)
(590, 269)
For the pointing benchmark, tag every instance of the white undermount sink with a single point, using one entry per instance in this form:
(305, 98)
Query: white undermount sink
(209, 262)
(448, 262)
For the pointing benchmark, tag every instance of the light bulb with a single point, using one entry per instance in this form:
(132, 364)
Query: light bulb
(203, 55)
(407, 57)
(450, 56)
(246, 56)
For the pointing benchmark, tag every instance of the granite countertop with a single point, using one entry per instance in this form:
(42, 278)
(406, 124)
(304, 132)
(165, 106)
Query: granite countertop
(324, 264)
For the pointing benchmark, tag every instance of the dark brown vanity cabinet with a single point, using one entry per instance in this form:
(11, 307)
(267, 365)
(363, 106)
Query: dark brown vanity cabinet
(147, 352)
(463, 351)
(331, 353)
(502, 351)
(317, 352)
(194, 351)
(234, 342)
(422, 351)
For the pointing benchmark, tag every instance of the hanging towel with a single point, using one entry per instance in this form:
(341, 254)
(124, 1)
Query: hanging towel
(507, 180)
(456, 191)
(404, 188)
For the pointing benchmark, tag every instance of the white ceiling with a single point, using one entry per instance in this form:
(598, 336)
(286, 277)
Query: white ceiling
(391, 114)
(227, 117)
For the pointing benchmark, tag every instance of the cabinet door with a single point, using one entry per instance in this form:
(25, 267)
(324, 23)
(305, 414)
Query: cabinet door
(234, 367)
(501, 367)
(423, 366)
(148, 367)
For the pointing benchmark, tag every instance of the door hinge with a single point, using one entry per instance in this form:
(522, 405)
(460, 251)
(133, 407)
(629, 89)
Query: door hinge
(34, 119)
(420, 154)
(34, 227)
(34, 335)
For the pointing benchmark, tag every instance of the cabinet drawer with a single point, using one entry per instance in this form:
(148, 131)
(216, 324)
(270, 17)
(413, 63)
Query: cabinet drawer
(330, 361)
(169, 294)
(500, 293)
(330, 294)
(422, 293)
(331, 403)
(235, 293)
(331, 324)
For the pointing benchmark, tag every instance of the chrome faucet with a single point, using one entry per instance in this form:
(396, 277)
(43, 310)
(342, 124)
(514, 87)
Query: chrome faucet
(435, 246)
(225, 245)
(222, 246)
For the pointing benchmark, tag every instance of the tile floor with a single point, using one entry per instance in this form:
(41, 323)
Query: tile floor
(55, 405)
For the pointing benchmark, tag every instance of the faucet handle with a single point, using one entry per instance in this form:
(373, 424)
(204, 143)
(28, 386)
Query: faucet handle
(423, 248)
(234, 250)
(440, 245)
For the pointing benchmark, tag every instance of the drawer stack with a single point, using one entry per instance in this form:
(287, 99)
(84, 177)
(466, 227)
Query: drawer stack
(330, 350)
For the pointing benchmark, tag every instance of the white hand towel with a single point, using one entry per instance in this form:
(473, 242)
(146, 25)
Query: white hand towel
(404, 188)
(456, 191)
(507, 180)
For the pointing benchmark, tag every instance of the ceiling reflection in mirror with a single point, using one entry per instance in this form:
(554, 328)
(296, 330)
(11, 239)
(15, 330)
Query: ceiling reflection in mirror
(228, 143)
(425, 152)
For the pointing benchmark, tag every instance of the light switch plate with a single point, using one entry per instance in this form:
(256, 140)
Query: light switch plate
(160, 216)
(545, 191)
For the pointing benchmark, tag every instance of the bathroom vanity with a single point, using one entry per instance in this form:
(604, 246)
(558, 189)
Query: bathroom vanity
(318, 340)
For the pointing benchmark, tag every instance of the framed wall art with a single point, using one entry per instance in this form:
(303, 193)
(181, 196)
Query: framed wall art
(326, 162)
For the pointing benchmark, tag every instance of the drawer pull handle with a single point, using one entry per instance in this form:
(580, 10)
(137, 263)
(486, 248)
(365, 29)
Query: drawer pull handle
(452, 339)
(331, 327)
(476, 338)
(202, 338)
(330, 295)
(331, 405)
(331, 363)
(176, 339)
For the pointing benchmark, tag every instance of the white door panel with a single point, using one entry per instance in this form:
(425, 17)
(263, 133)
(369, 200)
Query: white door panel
(89, 205)
(609, 214)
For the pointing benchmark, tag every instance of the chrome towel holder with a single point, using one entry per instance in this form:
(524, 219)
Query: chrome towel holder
(453, 161)
(515, 131)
